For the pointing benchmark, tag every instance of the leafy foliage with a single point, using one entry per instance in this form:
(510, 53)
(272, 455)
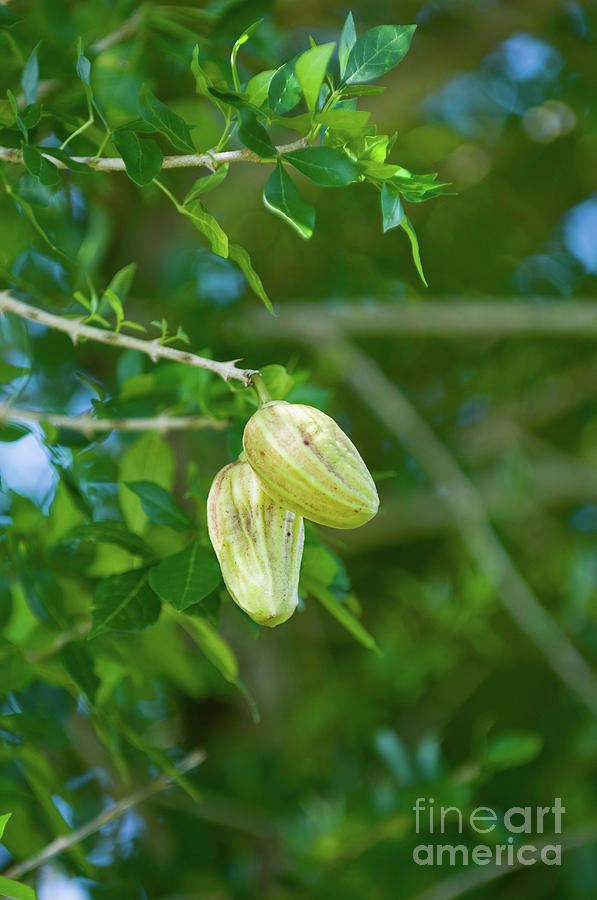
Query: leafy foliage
(400, 675)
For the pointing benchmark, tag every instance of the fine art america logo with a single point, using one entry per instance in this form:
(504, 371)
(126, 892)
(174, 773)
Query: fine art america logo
(517, 821)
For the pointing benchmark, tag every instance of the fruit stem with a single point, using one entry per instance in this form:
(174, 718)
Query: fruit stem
(258, 384)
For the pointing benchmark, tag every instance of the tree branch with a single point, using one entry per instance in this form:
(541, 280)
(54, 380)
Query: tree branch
(209, 160)
(448, 318)
(88, 425)
(466, 506)
(154, 349)
(65, 842)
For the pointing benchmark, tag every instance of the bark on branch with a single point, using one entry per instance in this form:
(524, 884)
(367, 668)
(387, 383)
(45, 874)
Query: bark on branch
(154, 349)
(89, 425)
(209, 160)
(66, 841)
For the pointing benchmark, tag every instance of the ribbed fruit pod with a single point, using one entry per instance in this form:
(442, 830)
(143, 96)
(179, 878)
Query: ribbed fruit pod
(309, 465)
(259, 544)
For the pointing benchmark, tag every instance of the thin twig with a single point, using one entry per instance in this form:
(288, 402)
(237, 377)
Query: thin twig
(154, 349)
(465, 503)
(88, 425)
(549, 481)
(207, 160)
(65, 842)
(127, 28)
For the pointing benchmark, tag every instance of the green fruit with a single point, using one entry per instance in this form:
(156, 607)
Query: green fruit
(309, 465)
(259, 544)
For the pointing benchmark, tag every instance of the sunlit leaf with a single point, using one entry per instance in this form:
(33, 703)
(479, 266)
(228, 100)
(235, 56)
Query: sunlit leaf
(347, 41)
(377, 51)
(30, 77)
(281, 196)
(208, 225)
(391, 208)
(254, 136)
(39, 166)
(166, 121)
(324, 165)
(310, 69)
(124, 603)
(159, 505)
(142, 156)
(284, 88)
(186, 577)
(14, 889)
(8, 18)
(242, 259)
(207, 183)
(79, 664)
(407, 225)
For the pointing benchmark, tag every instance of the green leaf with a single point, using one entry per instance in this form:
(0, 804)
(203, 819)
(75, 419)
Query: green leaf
(277, 380)
(347, 41)
(31, 115)
(350, 121)
(7, 115)
(164, 120)
(219, 653)
(244, 37)
(407, 225)
(362, 90)
(62, 155)
(79, 665)
(203, 83)
(142, 156)
(282, 197)
(284, 89)
(417, 188)
(30, 77)
(207, 183)
(342, 614)
(159, 506)
(242, 259)
(377, 51)
(15, 111)
(391, 207)
(512, 748)
(30, 214)
(324, 165)
(310, 69)
(39, 166)
(14, 889)
(83, 66)
(208, 226)
(233, 98)
(258, 86)
(111, 532)
(12, 432)
(15, 672)
(7, 18)
(186, 577)
(3, 821)
(149, 458)
(124, 603)
(8, 372)
(319, 565)
(254, 136)
(120, 284)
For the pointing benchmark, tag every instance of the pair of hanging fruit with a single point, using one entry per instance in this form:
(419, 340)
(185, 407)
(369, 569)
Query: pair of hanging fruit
(296, 463)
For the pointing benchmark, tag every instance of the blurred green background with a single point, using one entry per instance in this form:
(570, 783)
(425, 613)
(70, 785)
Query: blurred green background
(463, 705)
